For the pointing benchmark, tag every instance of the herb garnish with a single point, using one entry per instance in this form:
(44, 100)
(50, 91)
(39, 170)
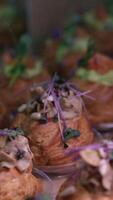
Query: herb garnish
(70, 133)
(90, 51)
(11, 133)
(17, 69)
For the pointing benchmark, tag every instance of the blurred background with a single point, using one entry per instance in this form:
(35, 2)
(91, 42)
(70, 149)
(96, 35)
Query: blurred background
(37, 17)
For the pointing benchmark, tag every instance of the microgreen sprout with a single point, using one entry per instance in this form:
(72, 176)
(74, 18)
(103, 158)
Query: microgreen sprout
(17, 69)
(56, 88)
(106, 145)
(11, 133)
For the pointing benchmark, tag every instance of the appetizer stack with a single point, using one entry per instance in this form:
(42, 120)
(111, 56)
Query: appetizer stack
(54, 119)
(16, 179)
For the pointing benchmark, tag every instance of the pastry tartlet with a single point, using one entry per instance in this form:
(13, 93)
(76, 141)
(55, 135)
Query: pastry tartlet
(94, 177)
(16, 179)
(54, 119)
(100, 25)
(97, 77)
(17, 75)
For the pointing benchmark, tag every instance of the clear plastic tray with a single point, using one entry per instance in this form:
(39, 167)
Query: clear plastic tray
(105, 126)
(47, 184)
(59, 170)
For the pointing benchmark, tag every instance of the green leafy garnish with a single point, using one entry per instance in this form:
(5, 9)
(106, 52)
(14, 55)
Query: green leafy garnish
(16, 72)
(93, 76)
(70, 133)
(89, 53)
(13, 133)
(23, 46)
(18, 68)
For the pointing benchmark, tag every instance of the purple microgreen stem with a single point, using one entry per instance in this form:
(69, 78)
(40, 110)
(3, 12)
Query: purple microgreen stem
(59, 112)
(52, 92)
(72, 88)
(107, 145)
(4, 132)
(85, 94)
(57, 93)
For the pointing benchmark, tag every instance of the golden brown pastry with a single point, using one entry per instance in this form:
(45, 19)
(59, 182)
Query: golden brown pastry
(54, 119)
(16, 179)
(96, 77)
(3, 112)
(94, 175)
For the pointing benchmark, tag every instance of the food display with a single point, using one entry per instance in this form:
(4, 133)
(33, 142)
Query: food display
(16, 179)
(56, 103)
(54, 119)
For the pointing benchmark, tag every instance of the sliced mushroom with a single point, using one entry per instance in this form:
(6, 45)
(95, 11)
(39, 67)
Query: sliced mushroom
(22, 108)
(35, 116)
(69, 114)
(91, 157)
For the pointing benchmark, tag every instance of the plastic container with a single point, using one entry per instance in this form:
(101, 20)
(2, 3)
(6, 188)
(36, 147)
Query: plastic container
(59, 170)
